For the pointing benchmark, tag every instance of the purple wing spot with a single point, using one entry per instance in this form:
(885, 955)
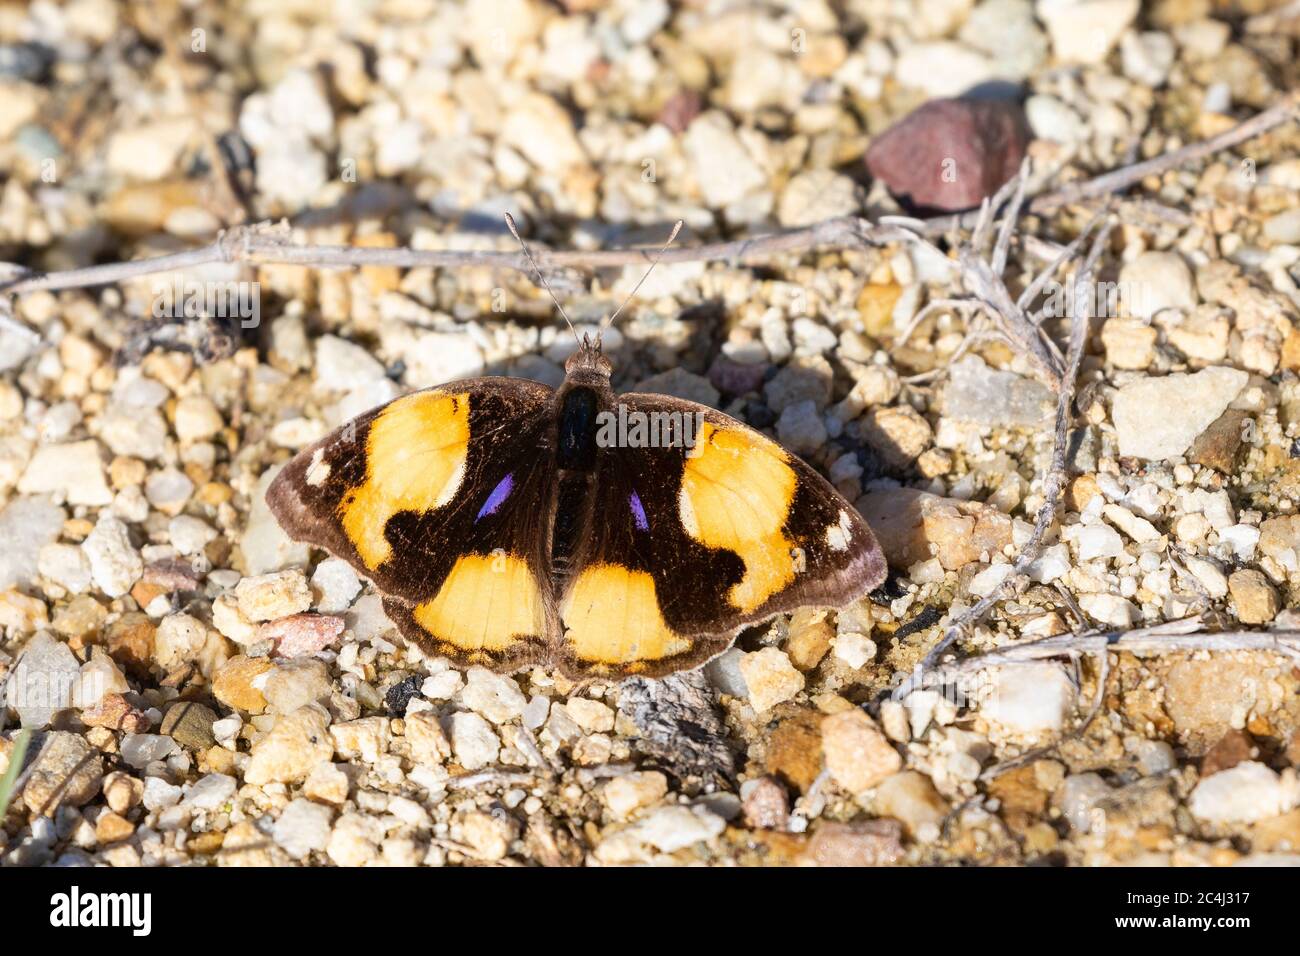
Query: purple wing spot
(638, 511)
(499, 494)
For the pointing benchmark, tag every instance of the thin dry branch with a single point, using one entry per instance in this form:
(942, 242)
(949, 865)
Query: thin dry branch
(1172, 637)
(266, 244)
(1054, 478)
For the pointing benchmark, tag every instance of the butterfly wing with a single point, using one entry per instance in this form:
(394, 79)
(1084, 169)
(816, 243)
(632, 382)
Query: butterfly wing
(437, 497)
(684, 549)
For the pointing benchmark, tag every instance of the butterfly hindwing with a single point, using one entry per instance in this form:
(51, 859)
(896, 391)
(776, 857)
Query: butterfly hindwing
(683, 549)
(439, 498)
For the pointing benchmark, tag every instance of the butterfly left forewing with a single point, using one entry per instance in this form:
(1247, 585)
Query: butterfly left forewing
(440, 498)
(686, 549)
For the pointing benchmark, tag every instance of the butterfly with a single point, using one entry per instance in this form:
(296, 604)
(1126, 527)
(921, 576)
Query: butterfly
(510, 525)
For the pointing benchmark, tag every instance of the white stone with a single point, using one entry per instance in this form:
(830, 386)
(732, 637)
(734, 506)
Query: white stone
(66, 565)
(264, 543)
(190, 535)
(1084, 31)
(626, 794)
(1146, 58)
(74, 470)
(854, 649)
(1245, 793)
(495, 696)
(723, 168)
(673, 828)
(1139, 529)
(1208, 574)
(770, 678)
(443, 685)
(26, 526)
(303, 826)
(115, 564)
(210, 792)
(1052, 564)
(44, 682)
(1284, 227)
(1155, 281)
(542, 131)
(168, 489)
(265, 597)
(337, 585)
(473, 741)
(140, 750)
(1080, 794)
(437, 357)
(943, 68)
(98, 677)
(1052, 120)
(197, 419)
(342, 365)
(1095, 541)
(159, 794)
(801, 428)
(1108, 609)
(1159, 418)
(1029, 699)
(990, 579)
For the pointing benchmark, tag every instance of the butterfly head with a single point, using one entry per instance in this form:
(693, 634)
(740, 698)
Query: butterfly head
(588, 361)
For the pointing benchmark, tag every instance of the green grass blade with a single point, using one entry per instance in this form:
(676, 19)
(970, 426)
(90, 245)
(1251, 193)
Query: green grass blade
(15, 767)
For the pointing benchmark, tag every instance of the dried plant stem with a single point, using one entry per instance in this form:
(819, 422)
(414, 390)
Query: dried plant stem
(1172, 637)
(1054, 478)
(266, 244)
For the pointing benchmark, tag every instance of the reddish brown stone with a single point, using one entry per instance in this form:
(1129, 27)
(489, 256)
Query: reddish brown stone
(951, 154)
(679, 109)
(1233, 748)
(116, 713)
(869, 843)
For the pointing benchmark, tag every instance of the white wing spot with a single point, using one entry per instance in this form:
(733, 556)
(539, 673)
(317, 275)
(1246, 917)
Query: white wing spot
(318, 470)
(837, 535)
(686, 511)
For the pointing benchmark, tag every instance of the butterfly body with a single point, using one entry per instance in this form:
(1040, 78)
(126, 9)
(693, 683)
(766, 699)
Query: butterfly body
(508, 524)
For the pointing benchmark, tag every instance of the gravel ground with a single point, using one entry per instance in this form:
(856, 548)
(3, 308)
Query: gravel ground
(205, 691)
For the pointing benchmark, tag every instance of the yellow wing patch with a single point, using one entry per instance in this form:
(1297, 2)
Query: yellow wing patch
(415, 460)
(612, 616)
(486, 603)
(736, 494)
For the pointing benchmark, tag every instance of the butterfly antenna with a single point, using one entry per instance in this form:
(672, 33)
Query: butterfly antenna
(528, 253)
(658, 255)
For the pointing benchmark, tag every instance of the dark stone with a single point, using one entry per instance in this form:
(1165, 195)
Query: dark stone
(1220, 446)
(949, 155)
(759, 415)
(736, 378)
(400, 694)
(190, 725)
(682, 727)
(26, 61)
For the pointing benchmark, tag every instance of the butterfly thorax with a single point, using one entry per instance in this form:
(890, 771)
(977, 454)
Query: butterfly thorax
(585, 393)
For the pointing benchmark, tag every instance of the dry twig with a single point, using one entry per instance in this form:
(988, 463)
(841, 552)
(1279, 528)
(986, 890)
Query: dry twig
(263, 243)
(1054, 478)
